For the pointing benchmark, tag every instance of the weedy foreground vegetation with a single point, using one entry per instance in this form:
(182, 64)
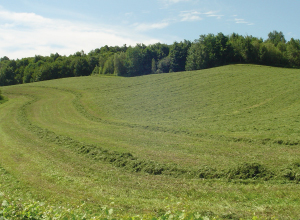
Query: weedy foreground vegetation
(217, 143)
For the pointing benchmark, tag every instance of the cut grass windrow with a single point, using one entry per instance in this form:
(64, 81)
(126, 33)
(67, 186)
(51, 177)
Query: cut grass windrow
(219, 142)
(131, 163)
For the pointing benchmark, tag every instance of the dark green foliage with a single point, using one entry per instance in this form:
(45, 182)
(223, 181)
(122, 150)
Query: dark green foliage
(293, 52)
(249, 52)
(276, 37)
(207, 172)
(38, 58)
(119, 64)
(208, 51)
(1, 96)
(43, 73)
(7, 72)
(178, 55)
(81, 67)
(194, 58)
(28, 72)
(291, 171)
(135, 60)
(4, 58)
(92, 63)
(108, 67)
(96, 70)
(55, 56)
(163, 65)
(270, 55)
(249, 171)
(153, 66)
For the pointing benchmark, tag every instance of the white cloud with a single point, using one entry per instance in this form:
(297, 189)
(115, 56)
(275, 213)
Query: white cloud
(196, 15)
(242, 21)
(190, 16)
(213, 14)
(170, 2)
(29, 34)
(149, 26)
(30, 19)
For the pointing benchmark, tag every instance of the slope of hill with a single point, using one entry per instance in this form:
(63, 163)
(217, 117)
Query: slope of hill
(221, 141)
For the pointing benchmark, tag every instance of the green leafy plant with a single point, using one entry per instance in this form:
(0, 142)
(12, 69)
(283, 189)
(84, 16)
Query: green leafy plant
(9, 209)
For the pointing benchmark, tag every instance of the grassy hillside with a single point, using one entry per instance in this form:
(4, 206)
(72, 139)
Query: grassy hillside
(221, 141)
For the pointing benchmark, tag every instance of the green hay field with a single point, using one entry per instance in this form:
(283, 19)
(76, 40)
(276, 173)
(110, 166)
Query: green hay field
(222, 142)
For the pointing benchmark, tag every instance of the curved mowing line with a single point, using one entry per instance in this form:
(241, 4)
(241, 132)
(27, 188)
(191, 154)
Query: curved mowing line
(82, 110)
(134, 164)
(125, 160)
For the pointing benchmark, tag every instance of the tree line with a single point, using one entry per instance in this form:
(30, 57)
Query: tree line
(208, 51)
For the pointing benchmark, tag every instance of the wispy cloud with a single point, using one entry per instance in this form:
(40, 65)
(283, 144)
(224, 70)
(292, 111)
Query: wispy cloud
(150, 26)
(213, 14)
(242, 21)
(171, 2)
(196, 15)
(29, 34)
(190, 16)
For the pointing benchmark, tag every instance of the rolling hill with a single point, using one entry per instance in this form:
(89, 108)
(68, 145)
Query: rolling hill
(221, 141)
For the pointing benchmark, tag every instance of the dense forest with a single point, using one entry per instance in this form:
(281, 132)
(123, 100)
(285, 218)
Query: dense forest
(206, 52)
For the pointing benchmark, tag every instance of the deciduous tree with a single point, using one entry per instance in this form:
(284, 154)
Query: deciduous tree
(119, 64)
(276, 37)
(178, 55)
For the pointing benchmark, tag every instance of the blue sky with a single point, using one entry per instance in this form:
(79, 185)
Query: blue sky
(42, 27)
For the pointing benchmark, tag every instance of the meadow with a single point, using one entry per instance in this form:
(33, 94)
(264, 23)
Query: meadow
(222, 142)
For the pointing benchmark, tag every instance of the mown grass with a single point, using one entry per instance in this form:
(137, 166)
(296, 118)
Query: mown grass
(222, 141)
